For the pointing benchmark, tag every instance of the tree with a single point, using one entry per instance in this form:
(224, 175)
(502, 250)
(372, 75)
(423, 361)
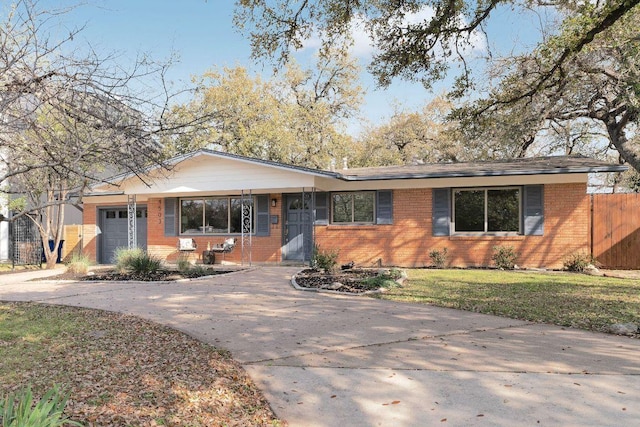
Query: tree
(69, 117)
(593, 97)
(424, 136)
(415, 39)
(297, 117)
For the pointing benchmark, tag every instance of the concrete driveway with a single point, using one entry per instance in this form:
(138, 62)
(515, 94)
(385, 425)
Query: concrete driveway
(328, 360)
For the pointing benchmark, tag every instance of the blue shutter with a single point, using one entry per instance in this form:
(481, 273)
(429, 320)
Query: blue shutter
(533, 210)
(384, 207)
(441, 206)
(171, 217)
(321, 205)
(262, 215)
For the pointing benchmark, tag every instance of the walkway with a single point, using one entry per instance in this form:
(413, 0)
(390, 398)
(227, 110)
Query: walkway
(326, 360)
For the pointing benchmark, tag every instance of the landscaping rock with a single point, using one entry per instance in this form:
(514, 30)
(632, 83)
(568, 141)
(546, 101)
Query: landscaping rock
(624, 329)
(335, 286)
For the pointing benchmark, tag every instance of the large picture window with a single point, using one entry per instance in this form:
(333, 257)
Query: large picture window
(489, 210)
(353, 208)
(214, 215)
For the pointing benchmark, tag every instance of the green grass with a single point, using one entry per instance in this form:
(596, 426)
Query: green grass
(566, 299)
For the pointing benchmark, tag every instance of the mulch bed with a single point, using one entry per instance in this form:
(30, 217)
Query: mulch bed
(158, 276)
(111, 275)
(354, 280)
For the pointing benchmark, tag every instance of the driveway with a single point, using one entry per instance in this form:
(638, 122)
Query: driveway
(329, 360)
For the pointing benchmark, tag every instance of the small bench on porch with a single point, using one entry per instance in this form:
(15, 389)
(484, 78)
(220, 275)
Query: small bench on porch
(209, 256)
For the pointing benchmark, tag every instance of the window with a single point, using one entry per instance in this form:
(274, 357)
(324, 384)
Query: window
(215, 215)
(489, 210)
(354, 208)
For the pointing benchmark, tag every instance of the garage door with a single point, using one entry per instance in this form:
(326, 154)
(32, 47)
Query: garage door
(113, 224)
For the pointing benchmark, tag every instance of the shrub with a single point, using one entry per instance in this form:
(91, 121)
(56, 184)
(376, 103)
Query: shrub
(383, 280)
(122, 258)
(324, 260)
(183, 265)
(438, 258)
(136, 261)
(578, 261)
(18, 410)
(504, 257)
(78, 264)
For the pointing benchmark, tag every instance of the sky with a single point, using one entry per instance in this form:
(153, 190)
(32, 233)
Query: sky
(202, 36)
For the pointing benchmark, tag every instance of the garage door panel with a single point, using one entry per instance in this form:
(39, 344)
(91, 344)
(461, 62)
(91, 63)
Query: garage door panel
(114, 223)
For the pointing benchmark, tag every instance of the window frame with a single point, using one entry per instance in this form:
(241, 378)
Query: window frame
(485, 232)
(228, 200)
(353, 211)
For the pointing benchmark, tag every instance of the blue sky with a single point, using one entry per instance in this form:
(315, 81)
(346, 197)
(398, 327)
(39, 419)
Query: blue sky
(202, 35)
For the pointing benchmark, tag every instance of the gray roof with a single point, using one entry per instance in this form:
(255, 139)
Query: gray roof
(523, 166)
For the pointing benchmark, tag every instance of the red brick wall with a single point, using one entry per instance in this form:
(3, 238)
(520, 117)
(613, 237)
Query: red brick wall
(264, 249)
(409, 240)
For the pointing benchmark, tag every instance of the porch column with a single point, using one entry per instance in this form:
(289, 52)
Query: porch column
(247, 226)
(132, 240)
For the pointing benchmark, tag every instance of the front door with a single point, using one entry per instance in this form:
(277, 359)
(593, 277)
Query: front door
(297, 228)
(115, 234)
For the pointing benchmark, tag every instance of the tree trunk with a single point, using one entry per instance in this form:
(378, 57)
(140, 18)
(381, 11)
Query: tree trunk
(629, 150)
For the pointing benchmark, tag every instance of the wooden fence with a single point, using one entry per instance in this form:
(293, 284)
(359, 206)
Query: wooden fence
(615, 230)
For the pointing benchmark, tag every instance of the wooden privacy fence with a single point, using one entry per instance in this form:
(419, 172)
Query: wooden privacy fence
(615, 230)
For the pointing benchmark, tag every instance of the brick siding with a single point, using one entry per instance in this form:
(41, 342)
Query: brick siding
(407, 242)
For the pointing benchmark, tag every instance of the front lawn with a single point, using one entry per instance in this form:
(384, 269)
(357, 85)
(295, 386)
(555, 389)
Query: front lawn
(124, 371)
(566, 299)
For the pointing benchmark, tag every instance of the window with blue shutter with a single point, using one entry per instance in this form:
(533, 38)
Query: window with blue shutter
(170, 217)
(262, 215)
(533, 210)
(384, 207)
(441, 211)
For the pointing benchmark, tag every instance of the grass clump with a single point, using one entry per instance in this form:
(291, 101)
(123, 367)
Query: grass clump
(18, 409)
(136, 261)
(78, 264)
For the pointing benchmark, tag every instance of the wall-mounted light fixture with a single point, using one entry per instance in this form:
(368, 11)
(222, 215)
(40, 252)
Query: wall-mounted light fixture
(274, 202)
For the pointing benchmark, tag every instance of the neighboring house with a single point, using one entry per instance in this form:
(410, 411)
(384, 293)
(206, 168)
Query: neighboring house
(392, 216)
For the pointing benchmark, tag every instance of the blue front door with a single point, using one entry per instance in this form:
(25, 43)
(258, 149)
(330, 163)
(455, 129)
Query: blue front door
(298, 228)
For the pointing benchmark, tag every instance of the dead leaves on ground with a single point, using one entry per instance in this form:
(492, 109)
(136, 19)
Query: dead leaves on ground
(122, 370)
